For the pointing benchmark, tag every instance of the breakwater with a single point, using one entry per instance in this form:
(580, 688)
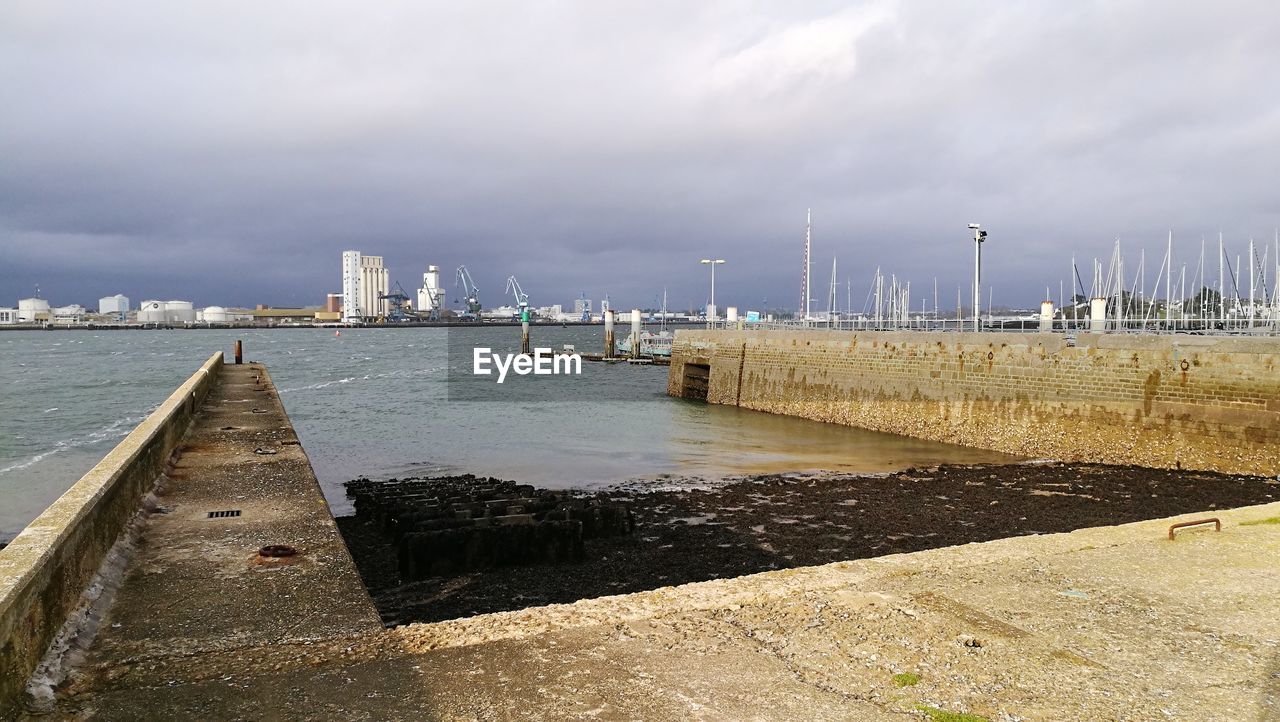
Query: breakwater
(1192, 402)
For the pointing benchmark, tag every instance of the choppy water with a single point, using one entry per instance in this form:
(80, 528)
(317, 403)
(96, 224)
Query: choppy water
(374, 402)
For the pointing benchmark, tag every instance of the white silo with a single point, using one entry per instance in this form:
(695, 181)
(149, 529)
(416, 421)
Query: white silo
(30, 308)
(351, 287)
(430, 296)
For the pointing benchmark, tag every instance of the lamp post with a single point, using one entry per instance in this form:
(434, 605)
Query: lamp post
(711, 310)
(979, 236)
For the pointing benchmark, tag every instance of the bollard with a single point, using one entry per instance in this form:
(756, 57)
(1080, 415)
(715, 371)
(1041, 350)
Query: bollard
(239, 353)
(524, 332)
(635, 333)
(608, 333)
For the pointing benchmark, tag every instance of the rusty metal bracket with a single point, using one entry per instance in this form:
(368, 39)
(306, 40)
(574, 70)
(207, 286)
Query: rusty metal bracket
(1217, 525)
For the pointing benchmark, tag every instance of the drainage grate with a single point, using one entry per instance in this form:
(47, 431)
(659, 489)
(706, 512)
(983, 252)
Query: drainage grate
(224, 514)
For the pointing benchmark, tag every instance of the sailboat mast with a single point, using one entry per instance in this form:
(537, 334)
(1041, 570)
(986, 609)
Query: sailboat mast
(804, 279)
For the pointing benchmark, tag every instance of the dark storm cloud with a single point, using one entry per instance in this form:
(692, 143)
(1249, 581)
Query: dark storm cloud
(229, 152)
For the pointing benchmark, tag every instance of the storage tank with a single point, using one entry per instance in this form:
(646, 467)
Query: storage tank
(151, 312)
(179, 312)
(215, 314)
(117, 305)
(29, 308)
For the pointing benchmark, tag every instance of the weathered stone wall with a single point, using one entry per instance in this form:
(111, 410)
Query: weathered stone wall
(1161, 401)
(47, 567)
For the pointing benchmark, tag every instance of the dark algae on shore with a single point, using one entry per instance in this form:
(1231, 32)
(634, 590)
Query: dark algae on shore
(790, 520)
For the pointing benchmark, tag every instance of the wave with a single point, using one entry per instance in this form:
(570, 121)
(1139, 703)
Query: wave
(117, 429)
(322, 385)
(387, 375)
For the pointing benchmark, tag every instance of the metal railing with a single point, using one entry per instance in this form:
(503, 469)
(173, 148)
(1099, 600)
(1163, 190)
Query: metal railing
(1230, 326)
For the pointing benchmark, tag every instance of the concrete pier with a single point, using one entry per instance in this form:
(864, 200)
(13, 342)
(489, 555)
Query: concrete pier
(242, 482)
(193, 622)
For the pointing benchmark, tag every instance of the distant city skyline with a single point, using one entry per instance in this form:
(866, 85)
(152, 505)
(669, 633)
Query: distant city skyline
(228, 155)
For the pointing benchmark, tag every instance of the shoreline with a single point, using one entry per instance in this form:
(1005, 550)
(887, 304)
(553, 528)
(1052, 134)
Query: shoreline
(779, 521)
(325, 326)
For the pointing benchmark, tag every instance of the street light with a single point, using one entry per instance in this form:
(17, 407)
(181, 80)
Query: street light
(979, 236)
(711, 311)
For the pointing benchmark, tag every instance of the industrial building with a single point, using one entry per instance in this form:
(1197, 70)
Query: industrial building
(75, 313)
(364, 283)
(117, 306)
(431, 296)
(31, 310)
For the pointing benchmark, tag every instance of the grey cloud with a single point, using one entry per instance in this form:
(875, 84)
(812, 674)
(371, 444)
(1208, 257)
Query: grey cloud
(228, 153)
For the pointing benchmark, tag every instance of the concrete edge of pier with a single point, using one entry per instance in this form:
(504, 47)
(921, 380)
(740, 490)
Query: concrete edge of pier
(733, 592)
(47, 567)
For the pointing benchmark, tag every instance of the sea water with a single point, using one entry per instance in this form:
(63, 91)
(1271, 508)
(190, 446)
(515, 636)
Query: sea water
(377, 402)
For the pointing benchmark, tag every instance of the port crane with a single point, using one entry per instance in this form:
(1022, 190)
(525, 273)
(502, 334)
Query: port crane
(470, 292)
(522, 298)
(399, 305)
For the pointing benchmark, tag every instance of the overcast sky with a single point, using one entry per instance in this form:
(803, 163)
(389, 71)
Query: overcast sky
(228, 152)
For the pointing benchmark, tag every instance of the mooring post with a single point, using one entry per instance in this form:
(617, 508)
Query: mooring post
(635, 333)
(608, 333)
(524, 332)
(1046, 316)
(239, 352)
(1098, 315)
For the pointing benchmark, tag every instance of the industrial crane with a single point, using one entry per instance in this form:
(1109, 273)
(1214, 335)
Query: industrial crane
(399, 305)
(471, 293)
(522, 298)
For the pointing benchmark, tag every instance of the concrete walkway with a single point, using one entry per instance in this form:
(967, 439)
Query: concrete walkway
(1108, 623)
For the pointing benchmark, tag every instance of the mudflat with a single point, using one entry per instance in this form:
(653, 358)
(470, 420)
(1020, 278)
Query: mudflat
(687, 533)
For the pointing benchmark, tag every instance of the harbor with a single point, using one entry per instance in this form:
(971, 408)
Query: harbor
(579, 361)
(232, 505)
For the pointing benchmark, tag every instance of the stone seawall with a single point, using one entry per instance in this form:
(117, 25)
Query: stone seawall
(1161, 401)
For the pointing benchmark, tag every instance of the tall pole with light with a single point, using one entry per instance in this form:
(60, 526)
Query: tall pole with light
(711, 309)
(979, 236)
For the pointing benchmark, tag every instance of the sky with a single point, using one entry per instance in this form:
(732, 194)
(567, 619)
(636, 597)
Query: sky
(228, 152)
